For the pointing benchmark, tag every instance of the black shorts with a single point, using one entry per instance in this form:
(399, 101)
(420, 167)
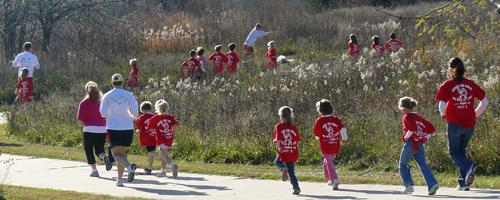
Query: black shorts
(151, 148)
(120, 137)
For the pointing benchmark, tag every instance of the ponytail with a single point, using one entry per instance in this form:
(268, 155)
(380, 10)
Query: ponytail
(93, 92)
(407, 102)
(287, 114)
(457, 69)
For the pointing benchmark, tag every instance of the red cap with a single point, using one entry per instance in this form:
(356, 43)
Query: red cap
(258, 25)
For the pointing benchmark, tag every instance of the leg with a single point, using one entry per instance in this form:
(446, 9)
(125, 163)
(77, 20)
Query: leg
(325, 169)
(88, 146)
(100, 140)
(291, 173)
(166, 156)
(164, 153)
(284, 169)
(121, 159)
(278, 163)
(330, 167)
(406, 154)
(457, 153)
(424, 168)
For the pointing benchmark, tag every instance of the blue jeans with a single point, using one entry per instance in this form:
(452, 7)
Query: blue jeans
(458, 140)
(406, 154)
(291, 170)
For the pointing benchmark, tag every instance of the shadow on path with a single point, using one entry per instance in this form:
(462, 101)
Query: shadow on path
(170, 192)
(373, 191)
(326, 197)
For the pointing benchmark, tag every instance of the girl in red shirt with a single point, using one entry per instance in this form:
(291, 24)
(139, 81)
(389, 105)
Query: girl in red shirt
(164, 126)
(456, 104)
(379, 49)
(200, 72)
(272, 63)
(133, 77)
(146, 136)
(287, 136)
(24, 87)
(327, 130)
(354, 47)
(417, 130)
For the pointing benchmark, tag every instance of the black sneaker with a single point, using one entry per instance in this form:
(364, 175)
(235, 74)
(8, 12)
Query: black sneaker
(469, 179)
(131, 170)
(148, 171)
(108, 163)
(296, 191)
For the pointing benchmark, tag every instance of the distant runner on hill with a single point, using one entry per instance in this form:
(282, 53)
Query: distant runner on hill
(251, 38)
(26, 60)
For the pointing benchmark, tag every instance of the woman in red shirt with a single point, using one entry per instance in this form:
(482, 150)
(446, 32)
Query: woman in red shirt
(456, 105)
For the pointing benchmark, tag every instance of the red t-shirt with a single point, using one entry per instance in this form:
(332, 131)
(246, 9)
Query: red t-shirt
(163, 127)
(232, 61)
(354, 50)
(271, 59)
(419, 126)
(146, 136)
(218, 59)
(327, 128)
(288, 137)
(133, 80)
(25, 87)
(201, 59)
(459, 99)
(190, 65)
(379, 50)
(393, 45)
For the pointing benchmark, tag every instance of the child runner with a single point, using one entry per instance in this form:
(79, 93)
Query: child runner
(146, 136)
(354, 47)
(456, 105)
(218, 59)
(327, 130)
(24, 87)
(133, 77)
(272, 64)
(379, 49)
(200, 72)
(94, 127)
(416, 131)
(232, 61)
(190, 65)
(287, 136)
(393, 45)
(164, 126)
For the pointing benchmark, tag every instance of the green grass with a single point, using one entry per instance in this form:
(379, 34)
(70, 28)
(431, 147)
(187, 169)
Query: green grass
(313, 173)
(18, 192)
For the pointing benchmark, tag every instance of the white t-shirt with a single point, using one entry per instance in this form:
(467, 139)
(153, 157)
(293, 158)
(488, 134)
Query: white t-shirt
(28, 60)
(119, 106)
(252, 37)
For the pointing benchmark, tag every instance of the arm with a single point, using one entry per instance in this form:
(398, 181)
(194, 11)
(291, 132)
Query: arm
(16, 62)
(343, 133)
(36, 63)
(81, 112)
(134, 108)
(442, 109)
(17, 91)
(482, 106)
(279, 146)
(173, 128)
(103, 108)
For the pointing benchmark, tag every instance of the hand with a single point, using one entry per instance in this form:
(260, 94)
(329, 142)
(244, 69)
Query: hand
(280, 150)
(343, 142)
(443, 117)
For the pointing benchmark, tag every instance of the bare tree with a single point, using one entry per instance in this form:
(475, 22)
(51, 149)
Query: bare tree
(13, 14)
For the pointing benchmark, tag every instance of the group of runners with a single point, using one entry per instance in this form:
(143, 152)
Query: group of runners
(112, 116)
(392, 46)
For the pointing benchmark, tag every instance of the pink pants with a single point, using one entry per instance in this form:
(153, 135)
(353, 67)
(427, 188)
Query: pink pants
(329, 167)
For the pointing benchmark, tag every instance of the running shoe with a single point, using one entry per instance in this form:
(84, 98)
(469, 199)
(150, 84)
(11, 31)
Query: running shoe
(336, 184)
(148, 170)
(131, 169)
(433, 189)
(465, 188)
(296, 191)
(108, 163)
(174, 171)
(119, 183)
(284, 174)
(408, 189)
(94, 174)
(469, 179)
(330, 183)
(162, 174)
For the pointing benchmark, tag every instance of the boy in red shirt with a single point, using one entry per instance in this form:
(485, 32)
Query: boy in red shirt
(417, 130)
(146, 136)
(327, 130)
(287, 136)
(232, 61)
(272, 63)
(190, 65)
(164, 126)
(379, 49)
(133, 77)
(393, 45)
(25, 87)
(218, 59)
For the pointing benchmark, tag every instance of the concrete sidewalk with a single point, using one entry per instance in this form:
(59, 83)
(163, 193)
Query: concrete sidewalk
(71, 175)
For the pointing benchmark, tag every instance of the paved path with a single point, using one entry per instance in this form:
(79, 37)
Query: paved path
(71, 175)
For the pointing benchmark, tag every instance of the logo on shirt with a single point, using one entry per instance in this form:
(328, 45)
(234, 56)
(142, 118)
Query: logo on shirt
(229, 60)
(463, 94)
(166, 128)
(420, 130)
(217, 60)
(331, 136)
(119, 99)
(287, 142)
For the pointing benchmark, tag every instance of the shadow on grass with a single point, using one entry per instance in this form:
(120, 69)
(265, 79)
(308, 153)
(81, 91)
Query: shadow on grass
(10, 145)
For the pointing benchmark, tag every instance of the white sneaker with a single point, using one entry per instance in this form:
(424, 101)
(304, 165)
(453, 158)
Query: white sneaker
(119, 183)
(162, 174)
(408, 189)
(330, 183)
(94, 174)
(433, 189)
(465, 188)
(336, 184)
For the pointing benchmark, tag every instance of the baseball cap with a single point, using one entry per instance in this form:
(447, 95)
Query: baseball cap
(116, 78)
(258, 25)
